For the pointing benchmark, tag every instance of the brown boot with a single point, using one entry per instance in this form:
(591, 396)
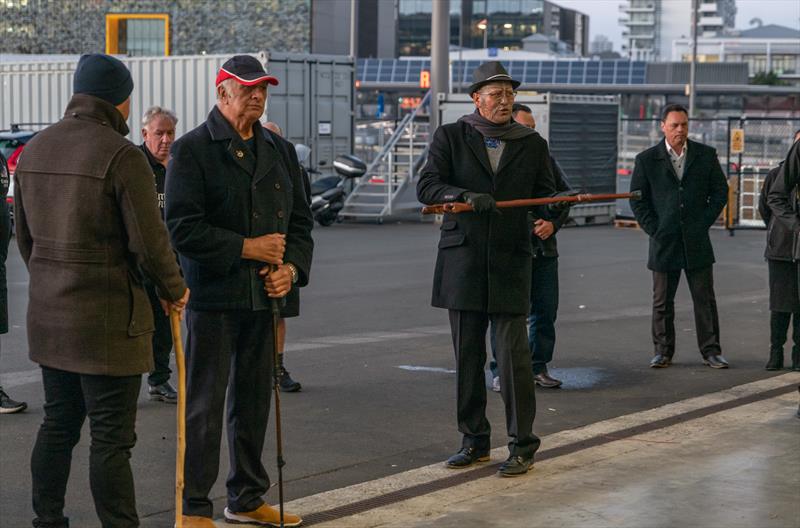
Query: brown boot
(191, 521)
(265, 515)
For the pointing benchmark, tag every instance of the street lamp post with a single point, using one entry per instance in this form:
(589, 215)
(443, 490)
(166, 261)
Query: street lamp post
(484, 25)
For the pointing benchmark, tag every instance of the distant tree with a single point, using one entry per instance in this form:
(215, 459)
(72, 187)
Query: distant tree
(770, 78)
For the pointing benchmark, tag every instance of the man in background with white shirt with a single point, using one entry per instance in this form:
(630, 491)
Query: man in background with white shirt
(683, 192)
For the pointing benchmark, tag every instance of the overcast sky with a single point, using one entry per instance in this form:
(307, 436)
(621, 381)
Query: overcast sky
(603, 14)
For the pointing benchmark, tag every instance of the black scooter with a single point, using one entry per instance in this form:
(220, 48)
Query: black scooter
(328, 193)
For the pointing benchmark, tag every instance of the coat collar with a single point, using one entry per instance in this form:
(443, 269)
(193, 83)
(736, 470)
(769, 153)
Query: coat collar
(91, 108)
(475, 142)
(692, 150)
(154, 163)
(266, 153)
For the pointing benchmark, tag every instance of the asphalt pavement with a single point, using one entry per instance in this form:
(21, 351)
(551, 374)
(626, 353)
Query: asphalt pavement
(376, 363)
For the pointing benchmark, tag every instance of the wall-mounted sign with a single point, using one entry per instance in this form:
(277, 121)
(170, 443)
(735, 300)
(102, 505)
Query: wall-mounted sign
(324, 128)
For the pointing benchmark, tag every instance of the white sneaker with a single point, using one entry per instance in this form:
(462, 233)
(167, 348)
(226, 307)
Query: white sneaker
(496, 384)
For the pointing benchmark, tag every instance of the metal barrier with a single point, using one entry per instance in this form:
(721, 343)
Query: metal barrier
(748, 148)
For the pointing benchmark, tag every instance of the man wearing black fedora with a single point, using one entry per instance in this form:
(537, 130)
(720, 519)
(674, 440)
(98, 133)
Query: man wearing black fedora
(483, 268)
(239, 220)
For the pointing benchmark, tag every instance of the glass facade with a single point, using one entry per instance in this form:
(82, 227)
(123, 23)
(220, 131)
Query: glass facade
(494, 23)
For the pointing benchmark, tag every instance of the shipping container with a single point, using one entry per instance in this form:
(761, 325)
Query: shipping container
(313, 103)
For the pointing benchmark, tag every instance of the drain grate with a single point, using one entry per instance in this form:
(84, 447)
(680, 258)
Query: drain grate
(463, 477)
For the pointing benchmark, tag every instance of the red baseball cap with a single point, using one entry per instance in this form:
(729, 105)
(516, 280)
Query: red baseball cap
(246, 69)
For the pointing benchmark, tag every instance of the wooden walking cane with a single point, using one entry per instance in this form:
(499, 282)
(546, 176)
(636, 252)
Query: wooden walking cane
(175, 323)
(461, 207)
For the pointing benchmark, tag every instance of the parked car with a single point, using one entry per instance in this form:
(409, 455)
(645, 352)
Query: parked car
(12, 143)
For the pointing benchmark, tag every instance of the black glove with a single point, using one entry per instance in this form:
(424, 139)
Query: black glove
(480, 202)
(560, 206)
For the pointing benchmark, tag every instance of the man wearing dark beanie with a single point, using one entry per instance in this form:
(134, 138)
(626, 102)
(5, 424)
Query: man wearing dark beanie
(89, 231)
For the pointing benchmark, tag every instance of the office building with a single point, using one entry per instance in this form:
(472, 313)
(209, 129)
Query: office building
(652, 25)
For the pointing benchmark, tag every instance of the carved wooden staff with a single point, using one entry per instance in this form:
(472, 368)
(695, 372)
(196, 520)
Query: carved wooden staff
(175, 323)
(461, 207)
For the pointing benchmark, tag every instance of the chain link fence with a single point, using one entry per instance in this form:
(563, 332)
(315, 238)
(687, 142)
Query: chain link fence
(765, 142)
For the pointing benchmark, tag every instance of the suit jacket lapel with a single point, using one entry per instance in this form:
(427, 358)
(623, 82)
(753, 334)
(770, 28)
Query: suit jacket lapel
(475, 142)
(662, 150)
(510, 151)
(691, 155)
(267, 155)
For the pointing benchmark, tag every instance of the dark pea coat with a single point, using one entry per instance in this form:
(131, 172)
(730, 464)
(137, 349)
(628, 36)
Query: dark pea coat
(782, 195)
(217, 194)
(549, 246)
(677, 213)
(88, 227)
(484, 260)
(780, 234)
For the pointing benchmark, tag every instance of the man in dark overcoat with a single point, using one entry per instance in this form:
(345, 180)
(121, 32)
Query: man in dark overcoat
(777, 205)
(88, 228)
(483, 269)
(683, 192)
(7, 405)
(235, 207)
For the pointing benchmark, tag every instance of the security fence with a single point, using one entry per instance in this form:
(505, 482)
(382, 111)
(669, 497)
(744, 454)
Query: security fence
(748, 148)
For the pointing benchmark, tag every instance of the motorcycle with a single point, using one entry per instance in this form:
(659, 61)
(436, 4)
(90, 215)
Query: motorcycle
(328, 192)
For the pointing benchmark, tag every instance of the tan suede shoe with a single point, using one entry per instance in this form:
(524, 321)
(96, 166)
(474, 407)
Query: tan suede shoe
(265, 515)
(191, 521)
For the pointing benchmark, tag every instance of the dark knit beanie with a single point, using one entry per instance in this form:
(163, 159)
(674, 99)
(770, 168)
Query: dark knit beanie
(103, 76)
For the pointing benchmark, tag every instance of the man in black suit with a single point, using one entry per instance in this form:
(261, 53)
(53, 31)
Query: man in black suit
(683, 192)
(483, 269)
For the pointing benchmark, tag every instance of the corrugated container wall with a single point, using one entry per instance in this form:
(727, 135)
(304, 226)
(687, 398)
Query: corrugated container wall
(313, 103)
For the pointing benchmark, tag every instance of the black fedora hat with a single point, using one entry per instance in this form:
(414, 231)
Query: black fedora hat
(490, 72)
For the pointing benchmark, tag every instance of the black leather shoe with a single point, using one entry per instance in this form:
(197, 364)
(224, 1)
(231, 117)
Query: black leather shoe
(466, 457)
(717, 362)
(164, 392)
(660, 361)
(286, 382)
(543, 379)
(515, 466)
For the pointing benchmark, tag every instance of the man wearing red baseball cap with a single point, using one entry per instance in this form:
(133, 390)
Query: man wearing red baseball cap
(235, 206)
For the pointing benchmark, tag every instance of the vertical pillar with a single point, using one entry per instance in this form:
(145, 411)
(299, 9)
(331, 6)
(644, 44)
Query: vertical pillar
(440, 54)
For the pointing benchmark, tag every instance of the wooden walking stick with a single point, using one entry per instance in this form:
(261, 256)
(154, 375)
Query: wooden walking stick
(461, 207)
(175, 323)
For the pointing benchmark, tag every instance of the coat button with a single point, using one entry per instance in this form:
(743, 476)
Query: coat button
(278, 186)
(255, 215)
(239, 154)
(280, 214)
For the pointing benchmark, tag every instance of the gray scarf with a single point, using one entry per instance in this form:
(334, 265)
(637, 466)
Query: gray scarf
(509, 131)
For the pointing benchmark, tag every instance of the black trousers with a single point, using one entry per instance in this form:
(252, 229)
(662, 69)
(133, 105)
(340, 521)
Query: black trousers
(227, 351)
(706, 319)
(514, 363)
(162, 340)
(110, 404)
(779, 325)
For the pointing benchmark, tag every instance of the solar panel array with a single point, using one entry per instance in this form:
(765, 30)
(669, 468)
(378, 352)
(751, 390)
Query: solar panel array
(529, 72)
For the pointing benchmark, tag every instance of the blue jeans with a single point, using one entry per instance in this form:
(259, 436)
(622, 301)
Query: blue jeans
(542, 315)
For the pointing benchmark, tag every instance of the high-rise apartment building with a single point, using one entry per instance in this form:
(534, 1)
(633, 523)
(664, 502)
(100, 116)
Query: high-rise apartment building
(652, 25)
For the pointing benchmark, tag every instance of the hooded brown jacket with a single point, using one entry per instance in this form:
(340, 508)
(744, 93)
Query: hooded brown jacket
(88, 227)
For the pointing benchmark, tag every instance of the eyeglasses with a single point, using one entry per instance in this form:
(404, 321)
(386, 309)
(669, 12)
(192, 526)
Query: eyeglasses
(499, 95)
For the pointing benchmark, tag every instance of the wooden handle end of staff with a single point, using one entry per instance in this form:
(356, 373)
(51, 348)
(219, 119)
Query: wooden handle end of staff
(175, 323)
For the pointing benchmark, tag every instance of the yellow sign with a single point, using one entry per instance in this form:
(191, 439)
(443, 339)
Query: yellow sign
(424, 79)
(737, 140)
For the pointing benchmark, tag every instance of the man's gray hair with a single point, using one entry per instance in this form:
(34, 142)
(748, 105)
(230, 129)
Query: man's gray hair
(227, 85)
(154, 111)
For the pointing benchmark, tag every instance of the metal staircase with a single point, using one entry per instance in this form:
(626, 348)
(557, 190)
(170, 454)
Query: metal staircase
(389, 185)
